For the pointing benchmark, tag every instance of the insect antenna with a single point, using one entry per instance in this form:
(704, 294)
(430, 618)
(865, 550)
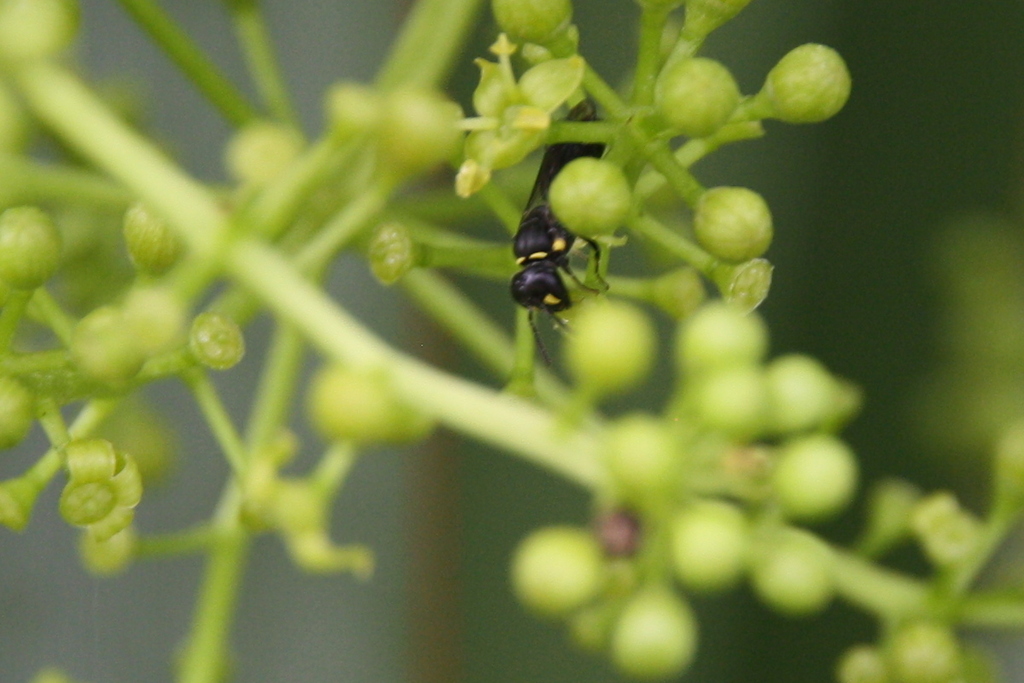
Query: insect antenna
(537, 339)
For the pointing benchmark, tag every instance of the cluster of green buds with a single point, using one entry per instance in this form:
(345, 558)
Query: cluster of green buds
(412, 129)
(917, 651)
(513, 115)
(299, 507)
(100, 496)
(714, 489)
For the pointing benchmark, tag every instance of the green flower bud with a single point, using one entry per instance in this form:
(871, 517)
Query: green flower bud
(17, 411)
(801, 393)
(30, 247)
(889, 507)
(260, 151)
(655, 636)
(17, 498)
(392, 252)
(815, 477)
(591, 196)
(924, 652)
(612, 347)
(34, 29)
(946, 531)
(108, 556)
(418, 130)
(350, 404)
(119, 519)
(471, 178)
(704, 16)
(731, 400)
(313, 551)
(352, 108)
(127, 482)
(720, 335)
(495, 149)
(157, 317)
(216, 341)
(744, 285)
(548, 85)
(733, 223)
(709, 541)
(679, 292)
(810, 84)
(862, 664)
(557, 569)
(535, 21)
(696, 96)
(152, 247)
(88, 460)
(642, 458)
(105, 346)
(495, 91)
(792, 572)
(86, 502)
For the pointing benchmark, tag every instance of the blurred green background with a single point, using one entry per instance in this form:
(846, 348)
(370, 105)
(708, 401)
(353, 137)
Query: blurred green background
(879, 215)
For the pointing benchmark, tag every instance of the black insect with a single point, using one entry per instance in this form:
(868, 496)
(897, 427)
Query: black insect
(541, 245)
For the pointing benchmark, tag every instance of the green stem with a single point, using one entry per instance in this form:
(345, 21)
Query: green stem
(343, 228)
(274, 210)
(681, 180)
(880, 591)
(263, 65)
(582, 131)
(674, 243)
(431, 38)
(1002, 610)
(14, 310)
(206, 654)
(333, 468)
(648, 62)
(604, 94)
(53, 423)
(29, 182)
(686, 46)
(482, 258)
(461, 318)
(277, 387)
(694, 150)
(213, 410)
(521, 378)
(474, 329)
(191, 60)
(48, 311)
(996, 527)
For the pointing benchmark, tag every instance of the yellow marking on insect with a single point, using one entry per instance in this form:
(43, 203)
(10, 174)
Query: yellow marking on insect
(538, 256)
(521, 260)
(551, 300)
(558, 245)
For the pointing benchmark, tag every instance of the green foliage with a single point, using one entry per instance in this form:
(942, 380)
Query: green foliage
(700, 495)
